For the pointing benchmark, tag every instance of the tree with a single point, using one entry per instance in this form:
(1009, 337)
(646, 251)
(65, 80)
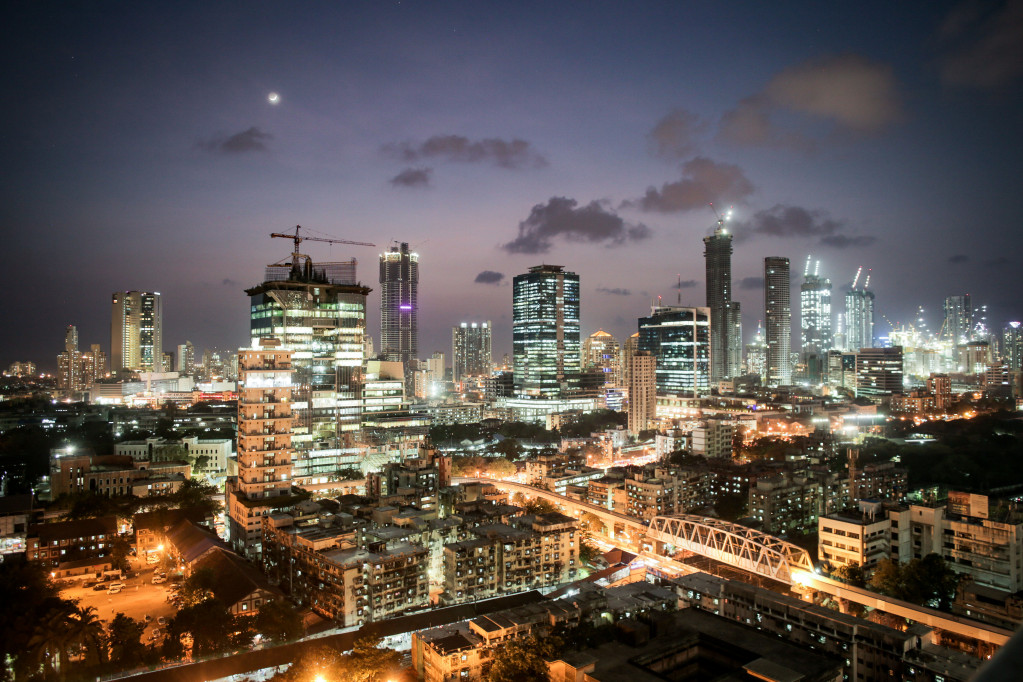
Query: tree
(278, 621)
(523, 659)
(731, 506)
(207, 623)
(26, 596)
(367, 662)
(851, 574)
(198, 587)
(538, 505)
(126, 647)
(588, 551)
(195, 492)
(119, 550)
(887, 578)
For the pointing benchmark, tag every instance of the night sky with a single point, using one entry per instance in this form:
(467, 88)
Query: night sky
(142, 151)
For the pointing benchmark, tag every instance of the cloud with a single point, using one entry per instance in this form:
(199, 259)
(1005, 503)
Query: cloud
(849, 92)
(560, 217)
(489, 277)
(984, 45)
(412, 177)
(796, 221)
(958, 259)
(457, 148)
(230, 283)
(995, 262)
(841, 241)
(672, 137)
(614, 292)
(751, 283)
(251, 140)
(703, 182)
(684, 284)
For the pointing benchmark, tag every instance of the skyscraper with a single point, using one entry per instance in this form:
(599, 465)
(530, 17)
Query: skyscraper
(958, 319)
(679, 337)
(601, 351)
(69, 365)
(725, 316)
(545, 331)
(399, 309)
(778, 320)
(322, 320)
(186, 359)
(1012, 346)
(756, 355)
(471, 350)
(859, 316)
(136, 332)
(814, 320)
(264, 440)
(642, 390)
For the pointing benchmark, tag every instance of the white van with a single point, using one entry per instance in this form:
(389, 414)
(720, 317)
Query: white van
(114, 588)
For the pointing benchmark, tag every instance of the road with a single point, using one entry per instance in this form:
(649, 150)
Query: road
(139, 598)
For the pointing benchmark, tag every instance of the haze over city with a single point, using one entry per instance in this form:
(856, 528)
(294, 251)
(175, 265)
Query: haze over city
(156, 147)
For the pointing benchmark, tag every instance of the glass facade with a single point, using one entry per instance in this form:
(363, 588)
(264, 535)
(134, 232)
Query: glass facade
(324, 327)
(545, 331)
(679, 337)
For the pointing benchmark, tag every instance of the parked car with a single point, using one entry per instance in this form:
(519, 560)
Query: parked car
(155, 635)
(113, 590)
(148, 618)
(99, 587)
(161, 620)
(157, 580)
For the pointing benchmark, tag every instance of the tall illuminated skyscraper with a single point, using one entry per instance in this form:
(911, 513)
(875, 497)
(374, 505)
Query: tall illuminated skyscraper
(600, 350)
(545, 331)
(679, 337)
(1012, 346)
(814, 320)
(321, 319)
(958, 319)
(136, 332)
(859, 315)
(725, 315)
(69, 365)
(399, 309)
(471, 350)
(778, 320)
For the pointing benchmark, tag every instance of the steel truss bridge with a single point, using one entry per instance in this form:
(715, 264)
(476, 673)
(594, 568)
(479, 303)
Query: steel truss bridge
(745, 548)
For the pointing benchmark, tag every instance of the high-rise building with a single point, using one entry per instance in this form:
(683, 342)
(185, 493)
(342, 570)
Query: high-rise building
(958, 319)
(778, 320)
(879, 371)
(1012, 346)
(642, 390)
(186, 359)
(601, 351)
(859, 315)
(471, 350)
(69, 365)
(545, 331)
(679, 337)
(725, 315)
(136, 332)
(94, 365)
(629, 349)
(815, 334)
(264, 440)
(399, 309)
(756, 355)
(323, 322)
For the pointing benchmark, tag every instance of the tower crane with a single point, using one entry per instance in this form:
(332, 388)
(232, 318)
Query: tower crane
(299, 239)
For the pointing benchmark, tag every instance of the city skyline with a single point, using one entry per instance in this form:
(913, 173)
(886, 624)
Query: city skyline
(148, 154)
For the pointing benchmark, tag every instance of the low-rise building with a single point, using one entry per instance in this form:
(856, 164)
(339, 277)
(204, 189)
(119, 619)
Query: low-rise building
(869, 651)
(713, 438)
(114, 475)
(854, 538)
(63, 541)
(333, 571)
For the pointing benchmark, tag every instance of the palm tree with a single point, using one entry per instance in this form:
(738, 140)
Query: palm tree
(90, 635)
(48, 647)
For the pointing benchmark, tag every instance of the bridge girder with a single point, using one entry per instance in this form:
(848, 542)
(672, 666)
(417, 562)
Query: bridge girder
(730, 543)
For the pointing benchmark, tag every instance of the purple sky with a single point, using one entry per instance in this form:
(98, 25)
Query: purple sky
(143, 153)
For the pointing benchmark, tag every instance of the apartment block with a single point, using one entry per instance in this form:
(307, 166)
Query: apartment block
(538, 551)
(853, 537)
